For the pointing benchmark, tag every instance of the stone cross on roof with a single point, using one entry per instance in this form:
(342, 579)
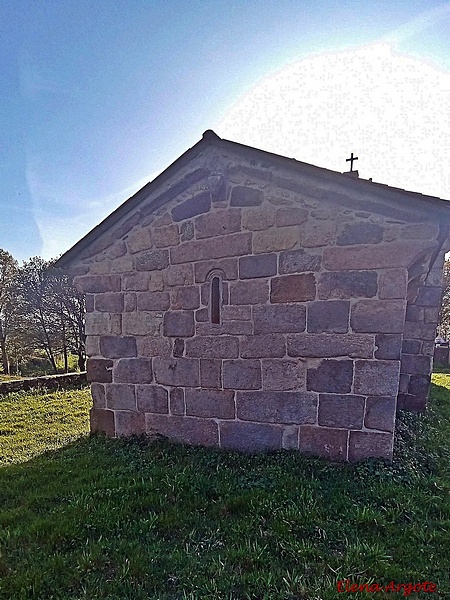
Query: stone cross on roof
(351, 159)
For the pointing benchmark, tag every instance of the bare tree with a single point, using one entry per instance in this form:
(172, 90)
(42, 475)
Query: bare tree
(444, 317)
(8, 273)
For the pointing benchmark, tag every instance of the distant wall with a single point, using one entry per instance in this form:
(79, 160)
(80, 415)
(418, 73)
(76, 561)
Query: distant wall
(49, 381)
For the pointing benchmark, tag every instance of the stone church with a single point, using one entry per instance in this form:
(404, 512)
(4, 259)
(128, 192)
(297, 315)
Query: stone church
(250, 301)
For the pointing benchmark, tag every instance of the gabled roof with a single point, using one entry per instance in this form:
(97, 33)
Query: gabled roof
(211, 138)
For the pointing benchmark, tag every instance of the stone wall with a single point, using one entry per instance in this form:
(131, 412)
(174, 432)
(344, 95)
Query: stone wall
(314, 282)
(51, 382)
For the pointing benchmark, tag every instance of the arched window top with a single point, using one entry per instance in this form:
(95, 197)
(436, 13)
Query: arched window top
(215, 296)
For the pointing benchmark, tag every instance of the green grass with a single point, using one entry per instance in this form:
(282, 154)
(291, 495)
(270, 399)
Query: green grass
(128, 519)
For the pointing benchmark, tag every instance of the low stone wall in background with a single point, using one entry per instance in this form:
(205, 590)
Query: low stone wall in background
(51, 382)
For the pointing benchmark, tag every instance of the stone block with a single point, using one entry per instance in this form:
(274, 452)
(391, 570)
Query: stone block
(93, 345)
(224, 346)
(187, 231)
(412, 402)
(290, 437)
(210, 373)
(187, 297)
(163, 237)
(176, 402)
(289, 318)
(120, 397)
(129, 302)
(280, 375)
(277, 407)
(176, 371)
(99, 370)
(117, 347)
(270, 345)
(163, 220)
(274, 239)
(378, 316)
(228, 266)
(153, 346)
(199, 204)
(414, 364)
(431, 315)
(347, 284)
(341, 411)
(414, 313)
(263, 265)
(102, 421)
(217, 187)
(179, 324)
(142, 323)
(365, 444)
(187, 430)
(89, 302)
(97, 284)
(417, 231)
(330, 345)
(393, 283)
(409, 347)
(210, 403)
(318, 233)
(376, 377)
(237, 327)
(117, 250)
(218, 222)
(249, 292)
(392, 255)
(137, 282)
(178, 348)
(324, 441)
(328, 316)
(202, 316)
(250, 437)
(429, 296)
(153, 301)
(242, 374)
(237, 313)
(258, 218)
(360, 233)
(109, 302)
(419, 331)
(152, 399)
(122, 265)
(179, 275)
(98, 395)
(388, 346)
(102, 324)
(334, 376)
(291, 216)
(299, 261)
(139, 239)
(129, 423)
(246, 196)
(133, 370)
(234, 244)
(380, 413)
(293, 288)
(419, 385)
(152, 260)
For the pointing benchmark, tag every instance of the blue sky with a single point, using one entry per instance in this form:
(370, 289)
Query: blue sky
(100, 96)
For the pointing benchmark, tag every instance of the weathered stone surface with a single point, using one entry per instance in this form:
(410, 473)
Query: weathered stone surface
(142, 323)
(187, 430)
(291, 216)
(419, 385)
(328, 316)
(120, 397)
(249, 292)
(333, 376)
(409, 347)
(102, 421)
(258, 218)
(98, 284)
(264, 345)
(187, 297)
(419, 331)
(176, 371)
(342, 411)
(179, 275)
(98, 395)
(378, 316)
(93, 345)
(246, 196)
(133, 370)
(293, 288)
(153, 346)
(223, 346)
(218, 222)
(129, 423)
(347, 284)
(380, 413)
(277, 407)
(365, 444)
(429, 296)
(187, 231)
(194, 206)
(360, 233)
(250, 437)
(298, 261)
(290, 437)
(176, 402)
(117, 250)
(117, 347)
(388, 346)
(89, 303)
(99, 370)
(376, 377)
(263, 265)
(279, 319)
(273, 240)
(283, 374)
(102, 324)
(415, 313)
(163, 220)
(431, 315)
(242, 374)
(136, 281)
(318, 233)
(179, 324)
(153, 301)
(152, 398)
(237, 313)
(163, 237)
(129, 302)
(228, 266)
(210, 373)
(415, 364)
(109, 302)
(178, 348)
(235, 244)
(210, 403)
(411, 402)
(217, 187)
(122, 265)
(393, 283)
(392, 255)
(330, 345)
(139, 239)
(152, 260)
(323, 441)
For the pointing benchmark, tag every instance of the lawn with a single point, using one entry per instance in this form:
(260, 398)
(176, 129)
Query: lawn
(89, 518)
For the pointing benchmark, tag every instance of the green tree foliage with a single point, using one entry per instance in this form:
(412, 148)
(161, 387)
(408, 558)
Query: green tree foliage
(8, 273)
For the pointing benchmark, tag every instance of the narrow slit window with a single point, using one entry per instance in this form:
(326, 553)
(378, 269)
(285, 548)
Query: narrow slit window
(215, 300)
